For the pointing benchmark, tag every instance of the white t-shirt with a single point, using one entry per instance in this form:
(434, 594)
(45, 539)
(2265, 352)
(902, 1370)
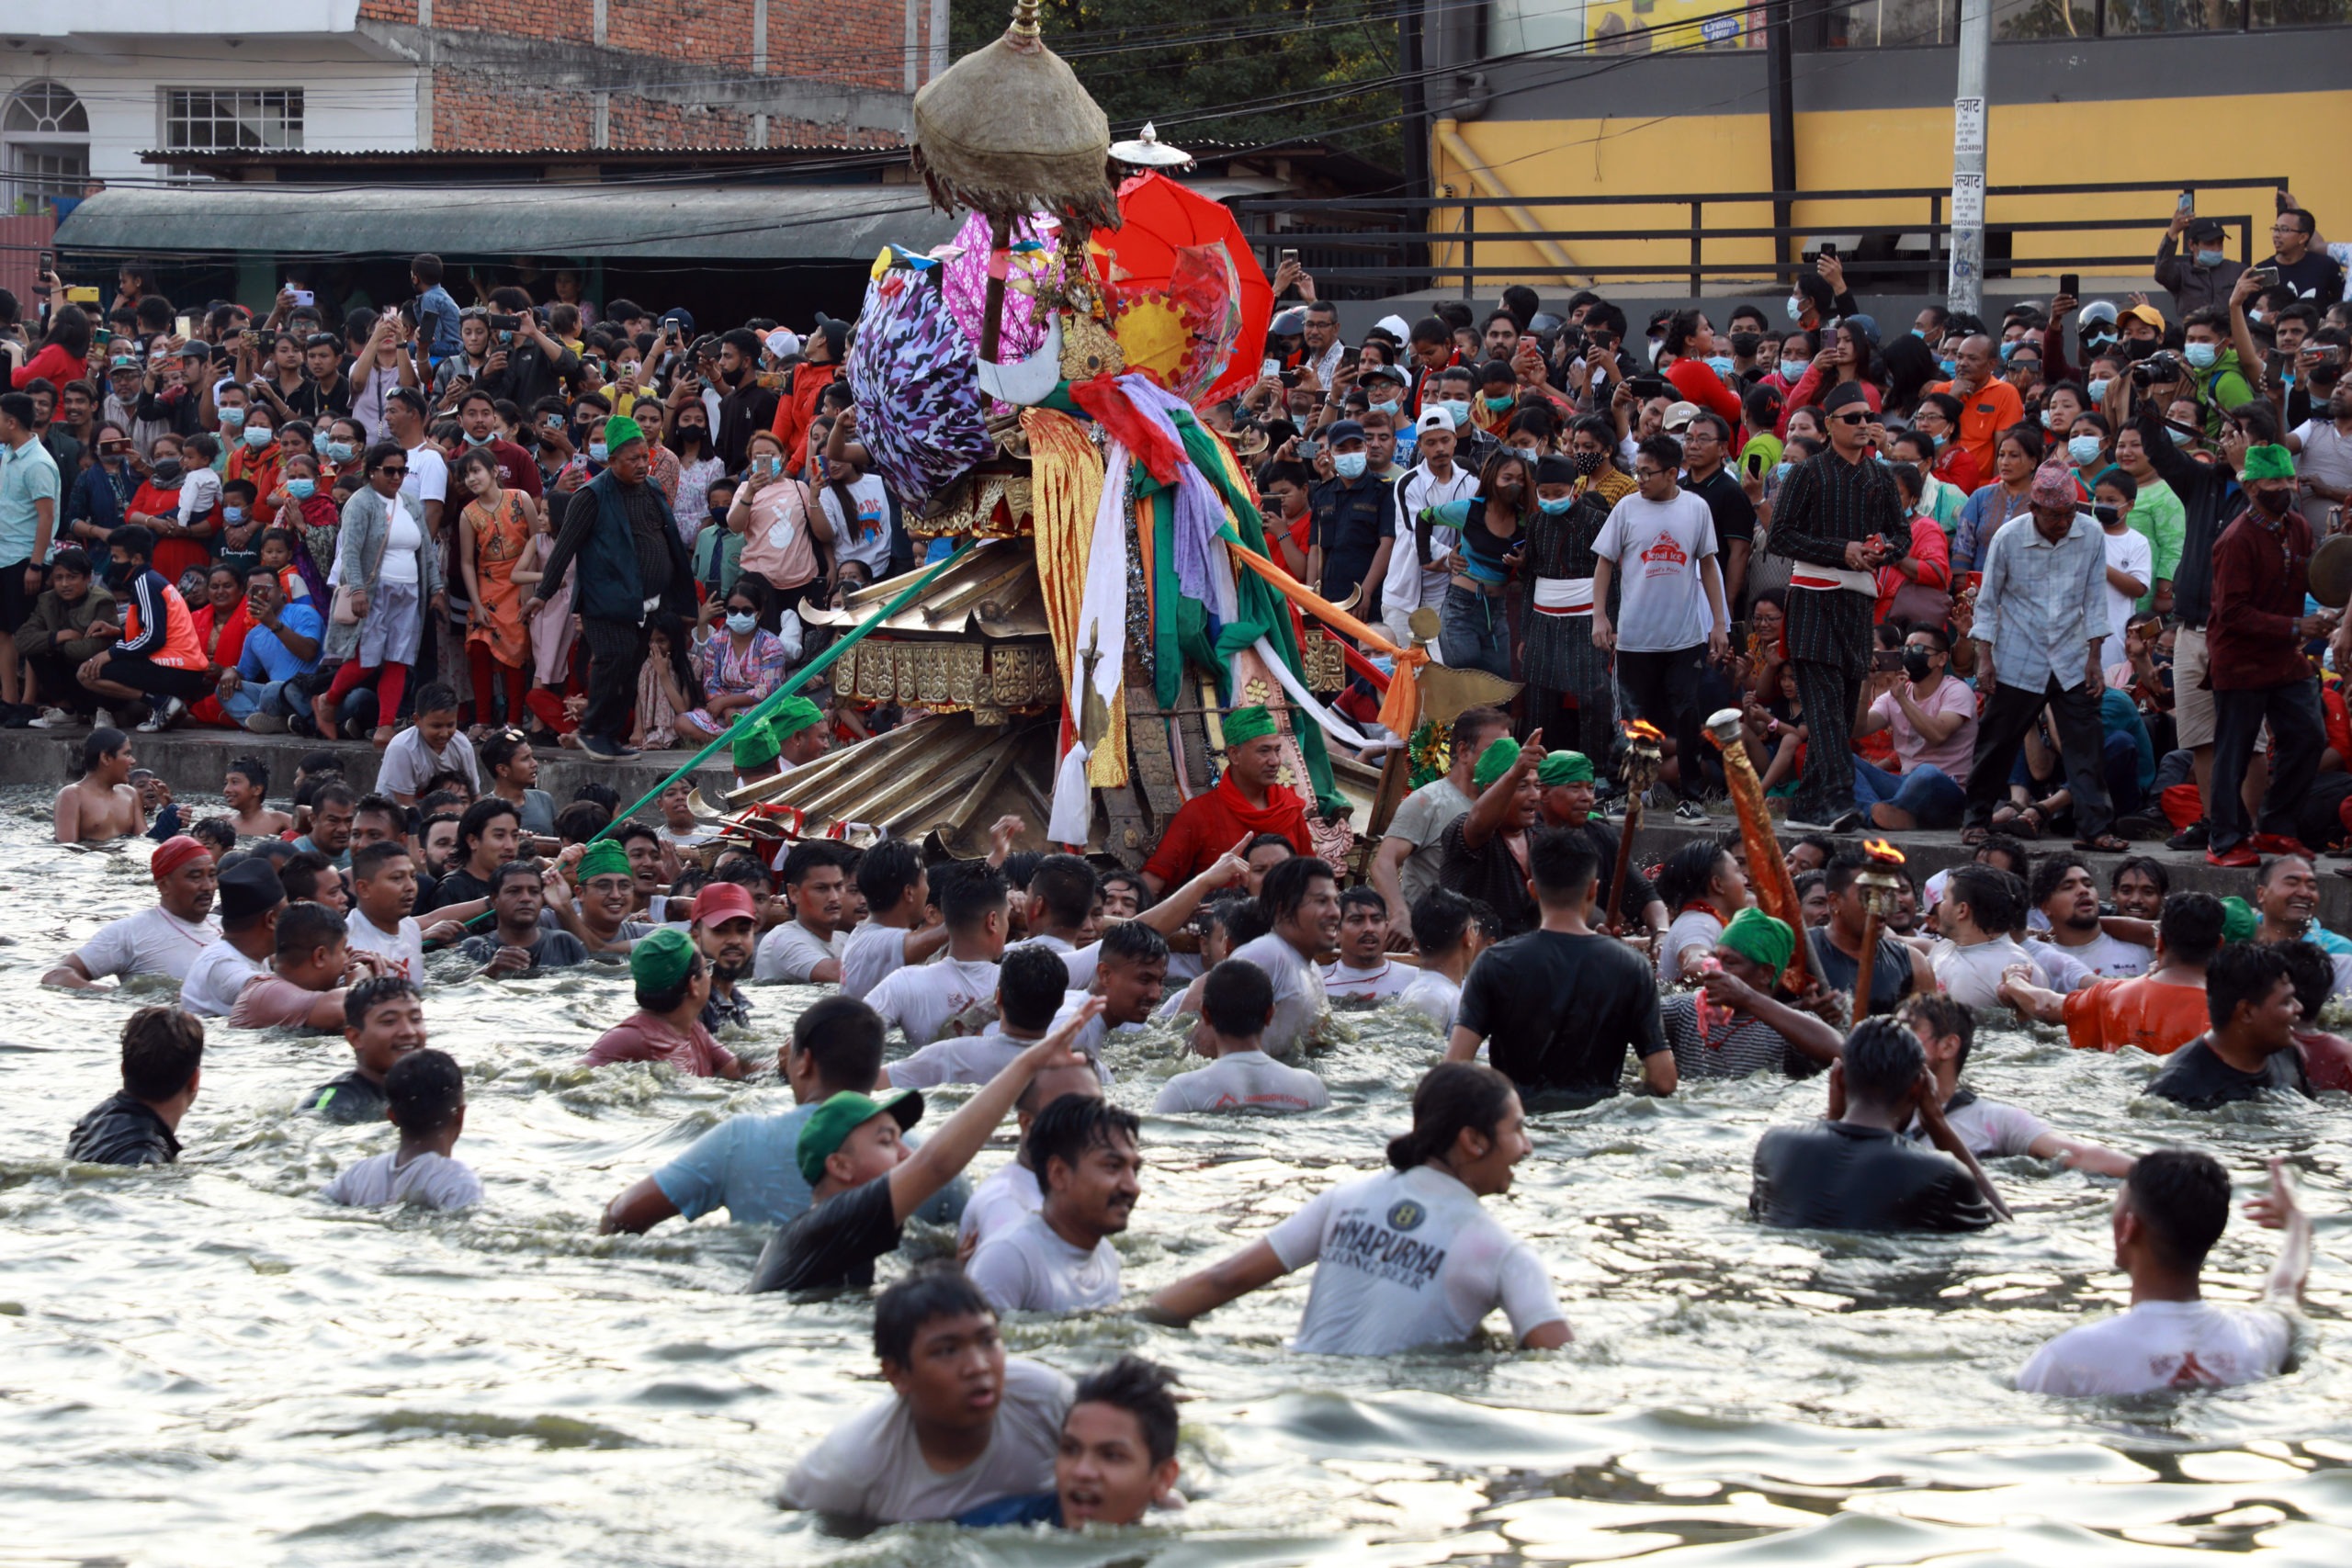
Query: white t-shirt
(1422, 821)
(2127, 552)
(966, 1058)
(1299, 999)
(871, 1466)
(1011, 1192)
(2326, 455)
(435, 1181)
(792, 952)
(2162, 1344)
(922, 999)
(1972, 976)
(873, 954)
(1435, 997)
(2109, 957)
(873, 502)
(1700, 928)
(428, 478)
(1080, 962)
(1028, 1267)
(199, 493)
(1658, 545)
(1243, 1081)
(151, 941)
(404, 543)
(2066, 972)
(1345, 982)
(1410, 585)
(210, 986)
(1408, 1258)
(1989, 1129)
(403, 950)
(409, 762)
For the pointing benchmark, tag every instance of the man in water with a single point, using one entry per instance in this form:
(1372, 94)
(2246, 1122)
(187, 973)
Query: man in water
(163, 1060)
(314, 964)
(2285, 896)
(1410, 855)
(1737, 1023)
(520, 944)
(964, 1425)
(927, 1000)
(597, 907)
(671, 982)
(1085, 1152)
(1011, 1193)
(383, 1019)
(2067, 895)
(1976, 951)
(897, 889)
(1117, 1458)
(1447, 932)
(864, 1180)
(251, 899)
(1302, 897)
(489, 836)
(1030, 985)
(1559, 1005)
(807, 950)
(1248, 799)
(164, 940)
(2171, 1211)
(1991, 1130)
(1854, 1170)
(1364, 972)
(2250, 1002)
(2159, 1011)
(1523, 791)
(1236, 1005)
(727, 927)
(333, 808)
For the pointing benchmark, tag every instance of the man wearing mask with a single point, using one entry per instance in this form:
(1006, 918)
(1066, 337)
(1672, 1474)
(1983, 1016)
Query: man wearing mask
(1435, 479)
(744, 405)
(2192, 265)
(1354, 529)
(477, 416)
(820, 364)
(2258, 671)
(2221, 382)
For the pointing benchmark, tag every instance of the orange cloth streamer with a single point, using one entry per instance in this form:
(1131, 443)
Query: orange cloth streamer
(1400, 708)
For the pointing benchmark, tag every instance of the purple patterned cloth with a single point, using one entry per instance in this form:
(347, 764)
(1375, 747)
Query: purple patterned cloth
(965, 263)
(915, 376)
(1200, 509)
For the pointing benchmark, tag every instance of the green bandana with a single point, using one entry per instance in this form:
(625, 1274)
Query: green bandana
(2239, 922)
(603, 858)
(1758, 937)
(659, 962)
(2267, 463)
(1565, 767)
(756, 747)
(619, 431)
(1248, 724)
(793, 715)
(1494, 763)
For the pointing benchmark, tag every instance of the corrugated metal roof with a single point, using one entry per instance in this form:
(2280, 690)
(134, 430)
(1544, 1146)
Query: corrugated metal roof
(714, 222)
(877, 141)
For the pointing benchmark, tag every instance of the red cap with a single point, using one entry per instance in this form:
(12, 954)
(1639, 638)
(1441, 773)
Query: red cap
(172, 854)
(724, 901)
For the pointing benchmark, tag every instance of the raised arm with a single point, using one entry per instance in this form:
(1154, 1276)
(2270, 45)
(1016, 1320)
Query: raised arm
(1486, 819)
(2278, 1211)
(943, 1156)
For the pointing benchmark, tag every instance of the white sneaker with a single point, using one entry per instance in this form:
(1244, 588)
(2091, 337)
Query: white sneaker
(53, 718)
(102, 719)
(161, 720)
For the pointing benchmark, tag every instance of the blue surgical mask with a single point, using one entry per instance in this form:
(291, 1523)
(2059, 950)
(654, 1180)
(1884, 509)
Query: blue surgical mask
(473, 440)
(338, 451)
(302, 490)
(741, 624)
(232, 416)
(1781, 470)
(1458, 410)
(1919, 333)
(2201, 355)
(233, 514)
(1555, 505)
(1721, 364)
(2050, 418)
(1392, 408)
(2007, 349)
(2181, 437)
(1348, 464)
(2208, 258)
(2082, 449)
(1796, 307)
(2256, 317)
(259, 439)
(1500, 404)
(2096, 387)
(596, 450)
(1793, 370)
(1950, 367)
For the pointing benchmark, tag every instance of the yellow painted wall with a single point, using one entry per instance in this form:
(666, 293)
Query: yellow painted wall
(2184, 139)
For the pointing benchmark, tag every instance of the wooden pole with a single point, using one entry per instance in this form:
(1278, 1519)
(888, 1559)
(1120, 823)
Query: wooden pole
(992, 302)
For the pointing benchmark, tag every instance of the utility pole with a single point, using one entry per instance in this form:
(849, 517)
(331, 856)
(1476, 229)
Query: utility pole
(1781, 117)
(1965, 282)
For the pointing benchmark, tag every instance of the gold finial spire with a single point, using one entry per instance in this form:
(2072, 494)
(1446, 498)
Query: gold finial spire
(1024, 20)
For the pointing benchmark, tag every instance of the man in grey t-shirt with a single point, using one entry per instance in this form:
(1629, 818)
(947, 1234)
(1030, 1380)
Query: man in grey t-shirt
(1414, 846)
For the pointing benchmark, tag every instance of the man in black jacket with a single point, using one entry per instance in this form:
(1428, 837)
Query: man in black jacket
(162, 1057)
(526, 363)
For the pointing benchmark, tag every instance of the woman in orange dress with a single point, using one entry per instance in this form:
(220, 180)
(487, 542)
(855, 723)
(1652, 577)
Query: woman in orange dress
(495, 535)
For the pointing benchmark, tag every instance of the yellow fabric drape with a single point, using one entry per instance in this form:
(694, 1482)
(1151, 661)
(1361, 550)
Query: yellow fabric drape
(1400, 709)
(1067, 489)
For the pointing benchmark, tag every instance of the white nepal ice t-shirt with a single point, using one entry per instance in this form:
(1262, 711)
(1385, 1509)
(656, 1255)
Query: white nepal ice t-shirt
(2162, 1344)
(1408, 1258)
(1028, 1267)
(922, 998)
(1243, 1081)
(1345, 982)
(1299, 998)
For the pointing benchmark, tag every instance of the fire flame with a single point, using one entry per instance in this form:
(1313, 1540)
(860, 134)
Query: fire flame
(1640, 730)
(1879, 848)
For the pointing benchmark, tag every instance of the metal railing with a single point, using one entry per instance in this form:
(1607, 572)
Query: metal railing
(1377, 245)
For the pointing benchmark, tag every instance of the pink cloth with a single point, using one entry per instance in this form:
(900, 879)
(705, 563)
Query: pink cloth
(270, 1002)
(1951, 758)
(643, 1037)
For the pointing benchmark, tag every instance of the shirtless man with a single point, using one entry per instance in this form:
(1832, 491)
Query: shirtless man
(246, 786)
(100, 806)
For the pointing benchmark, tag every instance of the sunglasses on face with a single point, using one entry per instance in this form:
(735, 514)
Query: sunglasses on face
(401, 472)
(1850, 418)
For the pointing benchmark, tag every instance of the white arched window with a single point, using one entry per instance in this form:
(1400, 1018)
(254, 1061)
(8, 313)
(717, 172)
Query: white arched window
(47, 135)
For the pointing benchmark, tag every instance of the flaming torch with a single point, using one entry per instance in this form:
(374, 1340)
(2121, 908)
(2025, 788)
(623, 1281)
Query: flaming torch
(1638, 772)
(1879, 882)
(1767, 871)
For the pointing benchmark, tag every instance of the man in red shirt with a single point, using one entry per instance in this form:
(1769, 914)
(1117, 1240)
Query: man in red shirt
(2258, 668)
(1247, 801)
(1988, 405)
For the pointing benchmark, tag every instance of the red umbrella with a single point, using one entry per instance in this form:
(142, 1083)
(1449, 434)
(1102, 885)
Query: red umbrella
(1190, 301)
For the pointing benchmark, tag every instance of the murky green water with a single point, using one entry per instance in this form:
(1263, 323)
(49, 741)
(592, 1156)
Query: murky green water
(206, 1366)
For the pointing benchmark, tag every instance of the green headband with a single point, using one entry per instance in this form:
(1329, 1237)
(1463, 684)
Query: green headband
(1760, 937)
(794, 714)
(660, 960)
(2267, 463)
(1248, 724)
(756, 747)
(1565, 767)
(603, 858)
(1495, 761)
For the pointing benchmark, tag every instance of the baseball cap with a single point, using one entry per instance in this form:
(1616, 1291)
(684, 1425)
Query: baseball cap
(724, 901)
(831, 1124)
(784, 343)
(1288, 323)
(1342, 430)
(1381, 373)
(1433, 418)
(1680, 415)
(679, 314)
(1394, 326)
(2147, 314)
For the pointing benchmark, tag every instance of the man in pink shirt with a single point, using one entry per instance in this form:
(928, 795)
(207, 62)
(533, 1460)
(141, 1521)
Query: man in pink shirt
(1933, 717)
(673, 983)
(314, 962)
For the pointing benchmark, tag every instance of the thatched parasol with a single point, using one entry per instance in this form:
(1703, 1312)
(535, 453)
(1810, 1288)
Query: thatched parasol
(1007, 131)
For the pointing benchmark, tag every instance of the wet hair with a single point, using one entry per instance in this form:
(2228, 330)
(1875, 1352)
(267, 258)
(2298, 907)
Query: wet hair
(2190, 927)
(602, 795)
(1132, 942)
(1072, 1124)
(161, 1048)
(900, 1311)
(425, 1092)
(302, 927)
(1263, 840)
(1562, 865)
(369, 859)
(1471, 723)
(2147, 866)
(1452, 1097)
(631, 831)
(97, 746)
(1940, 1015)
(501, 749)
(575, 824)
(2052, 872)
(300, 877)
(972, 893)
(1131, 880)
(1689, 870)
(253, 770)
(1018, 867)
(1809, 880)
(2020, 858)
(509, 872)
(1139, 1388)
(1030, 984)
(844, 1036)
(888, 870)
(1362, 897)
(1244, 919)
(1068, 887)
(2312, 972)
(476, 821)
(334, 792)
(450, 781)
(745, 871)
(806, 857)
(1883, 1061)
(1236, 998)
(1286, 886)
(372, 993)
(215, 833)
(2182, 1196)
(1993, 906)
(1441, 919)
(1843, 867)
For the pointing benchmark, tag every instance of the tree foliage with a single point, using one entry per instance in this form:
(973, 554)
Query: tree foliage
(1237, 72)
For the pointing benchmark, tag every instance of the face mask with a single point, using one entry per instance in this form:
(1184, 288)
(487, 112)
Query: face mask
(2050, 418)
(2082, 448)
(473, 440)
(2208, 258)
(2098, 338)
(1499, 404)
(232, 417)
(338, 451)
(596, 450)
(1391, 409)
(1793, 370)
(1916, 664)
(2274, 502)
(2179, 437)
(1796, 308)
(1950, 367)
(1780, 468)
(1458, 410)
(686, 432)
(233, 514)
(166, 471)
(2096, 387)
(1348, 464)
(302, 490)
(2201, 355)
(1722, 364)
(1587, 463)
(1920, 333)
(1556, 504)
(2007, 350)
(741, 624)
(2106, 514)
(257, 439)
(2255, 316)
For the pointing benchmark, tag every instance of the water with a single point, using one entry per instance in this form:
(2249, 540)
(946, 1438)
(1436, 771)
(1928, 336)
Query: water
(206, 1366)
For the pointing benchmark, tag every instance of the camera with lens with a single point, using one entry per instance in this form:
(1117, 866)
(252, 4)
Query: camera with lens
(2161, 368)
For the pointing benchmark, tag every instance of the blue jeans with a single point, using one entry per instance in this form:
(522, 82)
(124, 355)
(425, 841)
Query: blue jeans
(1927, 793)
(1474, 631)
(270, 697)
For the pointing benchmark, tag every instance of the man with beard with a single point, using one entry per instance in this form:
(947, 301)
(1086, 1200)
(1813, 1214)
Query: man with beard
(1302, 897)
(727, 929)
(744, 405)
(1060, 1259)
(1522, 790)
(2067, 895)
(164, 940)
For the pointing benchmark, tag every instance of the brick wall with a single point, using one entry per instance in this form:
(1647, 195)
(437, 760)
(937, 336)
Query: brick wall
(478, 110)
